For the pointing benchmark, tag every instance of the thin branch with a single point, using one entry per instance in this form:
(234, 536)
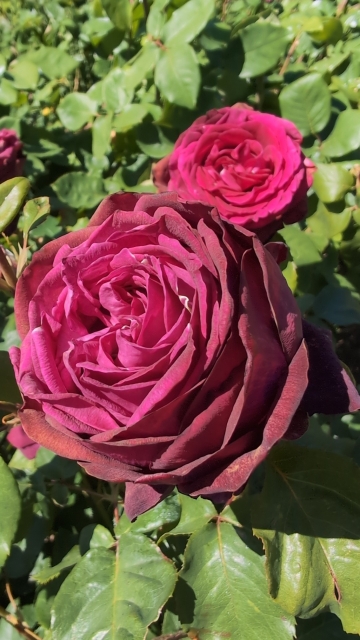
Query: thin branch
(173, 636)
(21, 627)
(290, 53)
(6, 269)
(341, 8)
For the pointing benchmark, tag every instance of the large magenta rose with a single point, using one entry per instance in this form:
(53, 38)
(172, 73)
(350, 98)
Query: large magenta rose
(247, 164)
(11, 155)
(159, 351)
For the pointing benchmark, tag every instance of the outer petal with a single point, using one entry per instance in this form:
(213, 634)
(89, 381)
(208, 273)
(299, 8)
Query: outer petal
(330, 389)
(34, 274)
(140, 498)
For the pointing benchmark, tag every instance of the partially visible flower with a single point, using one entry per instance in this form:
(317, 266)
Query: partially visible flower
(11, 155)
(159, 350)
(247, 164)
(18, 438)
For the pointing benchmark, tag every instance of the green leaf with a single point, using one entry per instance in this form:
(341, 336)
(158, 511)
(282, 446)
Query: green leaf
(75, 110)
(13, 193)
(307, 103)
(79, 189)
(327, 224)
(157, 18)
(264, 44)
(324, 29)
(302, 248)
(93, 536)
(195, 513)
(308, 516)
(188, 21)
(101, 133)
(8, 94)
(114, 92)
(165, 515)
(290, 275)
(34, 210)
(114, 595)
(53, 61)
(177, 75)
(152, 140)
(119, 12)
(50, 573)
(10, 507)
(345, 136)
(131, 115)
(338, 306)
(140, 66)
(332, 182)
(229, 589)
(25, 74)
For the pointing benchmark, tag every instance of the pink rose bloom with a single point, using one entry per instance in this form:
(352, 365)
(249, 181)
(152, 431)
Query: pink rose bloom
(247, 164)
(11, 155)
(160, 351)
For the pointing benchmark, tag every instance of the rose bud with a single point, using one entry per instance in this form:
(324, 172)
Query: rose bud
(159, 351)
(18, 438)
(11, 155)
(247, 164)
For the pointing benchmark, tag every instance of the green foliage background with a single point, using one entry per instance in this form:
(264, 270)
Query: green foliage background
(98, 91)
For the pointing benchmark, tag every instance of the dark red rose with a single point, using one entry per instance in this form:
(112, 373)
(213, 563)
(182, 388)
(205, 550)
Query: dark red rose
(11, 155)
(247, 164)
(160, 351)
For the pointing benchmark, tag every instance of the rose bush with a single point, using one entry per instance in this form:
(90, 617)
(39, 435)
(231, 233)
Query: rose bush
(11, 155)
(160, 351)
(247, 164)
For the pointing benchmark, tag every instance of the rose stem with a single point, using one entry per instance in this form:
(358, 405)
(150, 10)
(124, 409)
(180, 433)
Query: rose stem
(6, 269)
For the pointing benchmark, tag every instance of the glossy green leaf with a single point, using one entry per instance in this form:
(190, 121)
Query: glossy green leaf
(324, 29)
(13, 194)
(104, 596)
(10, 507)
(228, 588)
(194, 514)
(94, 536)
(51, 573)
(332, 182)
(345, 136)
(337, 305)
(303, 249)
(53, 61)
(101, 134)
(119, 12)
(75, 110)
(8, 93)
(177, 75)
(188, 21)
(34, 210)
(162, 517)
(114, 92)
(328, 224)
(152, 140)
(141, 65)
(308, 516)
(157, 18)
(79, 189)
(25, 74)
(307, 103)
(130, 116)
(264, 43)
